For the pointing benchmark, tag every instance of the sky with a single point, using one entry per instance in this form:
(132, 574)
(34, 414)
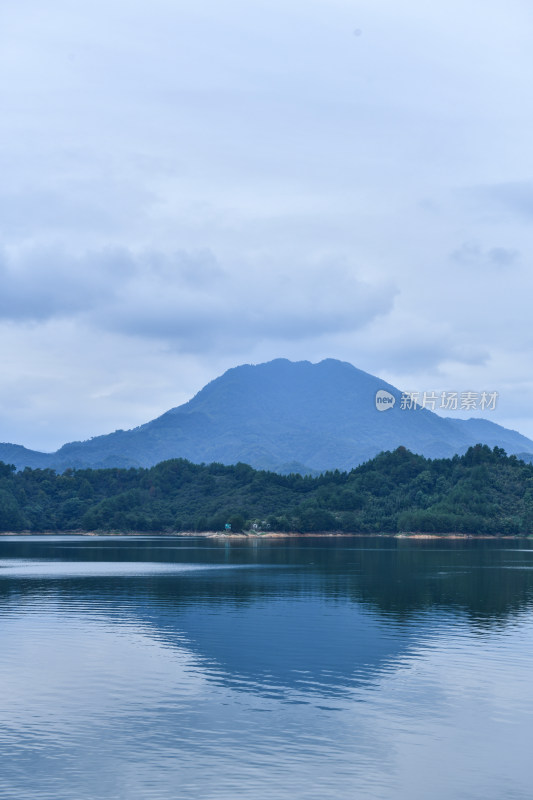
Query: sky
(189, 186)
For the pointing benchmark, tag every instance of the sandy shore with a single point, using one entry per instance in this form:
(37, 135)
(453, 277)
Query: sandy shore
(274, 535)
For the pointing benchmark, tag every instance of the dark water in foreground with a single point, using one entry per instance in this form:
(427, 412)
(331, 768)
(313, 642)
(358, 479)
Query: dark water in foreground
(309, 669)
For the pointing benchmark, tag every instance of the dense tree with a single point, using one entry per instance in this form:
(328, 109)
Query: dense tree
(483, 491)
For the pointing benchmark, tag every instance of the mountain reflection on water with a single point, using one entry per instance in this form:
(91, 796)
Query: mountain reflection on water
(319, 623)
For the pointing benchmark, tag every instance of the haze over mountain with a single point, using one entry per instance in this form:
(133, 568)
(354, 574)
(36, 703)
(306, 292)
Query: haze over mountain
(284, 416)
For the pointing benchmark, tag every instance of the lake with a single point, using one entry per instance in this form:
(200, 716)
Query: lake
(172, 668)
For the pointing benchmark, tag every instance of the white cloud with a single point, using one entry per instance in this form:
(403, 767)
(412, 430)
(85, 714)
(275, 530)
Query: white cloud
(187, 299)
(227, 183)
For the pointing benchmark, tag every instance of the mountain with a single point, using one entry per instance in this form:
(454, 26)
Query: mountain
(283, 416)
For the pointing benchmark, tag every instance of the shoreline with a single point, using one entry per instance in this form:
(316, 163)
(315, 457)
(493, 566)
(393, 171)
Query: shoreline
(274, 535)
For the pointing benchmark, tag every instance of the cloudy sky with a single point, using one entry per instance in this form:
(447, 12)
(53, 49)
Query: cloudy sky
(187, 186)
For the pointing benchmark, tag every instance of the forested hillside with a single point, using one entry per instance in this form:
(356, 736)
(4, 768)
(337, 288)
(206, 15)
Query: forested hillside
(484, 491)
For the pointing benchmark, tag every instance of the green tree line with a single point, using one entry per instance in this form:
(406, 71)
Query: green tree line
(483, 491)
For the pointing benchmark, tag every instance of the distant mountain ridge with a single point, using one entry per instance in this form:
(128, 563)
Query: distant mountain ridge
(284, 416)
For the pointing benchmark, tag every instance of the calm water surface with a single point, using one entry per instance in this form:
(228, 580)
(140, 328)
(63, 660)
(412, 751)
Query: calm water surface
(180, 668)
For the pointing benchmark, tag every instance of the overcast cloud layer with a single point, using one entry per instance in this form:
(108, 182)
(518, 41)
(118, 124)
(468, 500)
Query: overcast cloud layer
(190, 186)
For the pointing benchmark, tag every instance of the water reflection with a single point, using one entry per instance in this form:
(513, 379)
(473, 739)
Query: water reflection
(484, 579)
(311, 669)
